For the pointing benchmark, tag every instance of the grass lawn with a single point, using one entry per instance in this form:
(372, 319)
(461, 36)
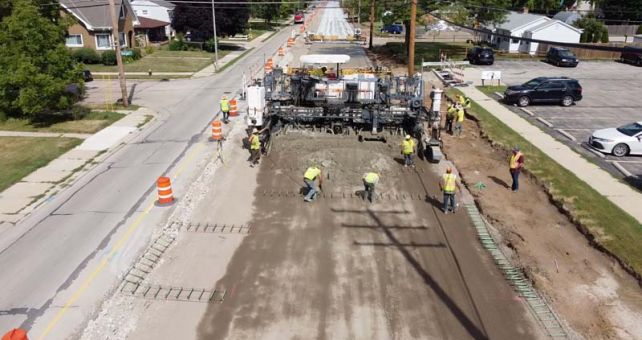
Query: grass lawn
(89, 123)
(20, 156)
(428, 51)
(613, 229)
(166, 61)
(490, 90)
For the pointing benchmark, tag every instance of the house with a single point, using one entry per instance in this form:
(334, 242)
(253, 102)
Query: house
(151, 30)
(93, 25)
(532, 26)
(567, 17)
(637, 39)
(553, 30)
(515, 24)
(158, 10)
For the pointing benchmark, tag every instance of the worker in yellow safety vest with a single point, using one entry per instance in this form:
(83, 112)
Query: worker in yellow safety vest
(516, 163)
(449, 185)
(459, 120)
(309, 178)
(370, 179)
(451, 113)
(255, 148)
(225, 108)
(464, 101)
(407, 150)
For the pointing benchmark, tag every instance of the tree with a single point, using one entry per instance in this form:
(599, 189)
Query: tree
(197, 18)
(471, 13)
(36, 66)
(539, 6)
(48, 9)
(620, 9)
(594, 31)
(266, 11)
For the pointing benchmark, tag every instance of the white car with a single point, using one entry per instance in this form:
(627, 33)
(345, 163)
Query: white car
(622, 141)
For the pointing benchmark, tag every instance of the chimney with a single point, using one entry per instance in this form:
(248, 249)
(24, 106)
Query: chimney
(525, 10)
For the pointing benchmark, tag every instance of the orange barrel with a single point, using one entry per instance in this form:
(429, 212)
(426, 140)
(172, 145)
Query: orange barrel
(217, 129)
(165, 195)
(268, 65)
(281, 52)
(15, 334)
(290, 42)
(233, 108)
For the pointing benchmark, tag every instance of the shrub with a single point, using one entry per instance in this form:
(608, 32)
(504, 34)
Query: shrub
(149, 49)
(86, 56)
(209, 45)
(605, 36)
(639, 31)
(109, 58)
(178, 44)
(137, 53)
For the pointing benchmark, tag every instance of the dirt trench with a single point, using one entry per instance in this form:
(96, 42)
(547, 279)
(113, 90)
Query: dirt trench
(590, 291)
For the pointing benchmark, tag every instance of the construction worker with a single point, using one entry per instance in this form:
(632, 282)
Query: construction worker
(370, 179)
(449, 185)
(516, 163)
(407, 150)
(459, 119)
(255, 148)
(464, 101)
(225, 108)
(451, 112)
(309, 178)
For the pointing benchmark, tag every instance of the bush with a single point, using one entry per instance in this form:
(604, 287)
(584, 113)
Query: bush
(109, 58)
(149, 50)
(137, 53)
(605, 36)
(178, 44)
(639, 31)
(209, 45)
(86, 56)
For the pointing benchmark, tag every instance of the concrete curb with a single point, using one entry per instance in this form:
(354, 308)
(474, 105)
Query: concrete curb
(618, 166)
(528, 112)
(545, 122)
(566, 134)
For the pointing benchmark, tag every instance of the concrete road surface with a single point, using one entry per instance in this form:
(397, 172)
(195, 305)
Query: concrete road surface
(333, 22)
(59, 263)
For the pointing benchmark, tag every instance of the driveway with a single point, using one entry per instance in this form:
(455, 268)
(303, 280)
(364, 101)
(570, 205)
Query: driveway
(611, 98)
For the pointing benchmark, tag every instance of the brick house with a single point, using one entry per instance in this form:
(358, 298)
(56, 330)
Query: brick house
(93, 28)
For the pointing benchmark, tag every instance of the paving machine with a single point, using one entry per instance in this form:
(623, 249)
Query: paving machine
(368, 103)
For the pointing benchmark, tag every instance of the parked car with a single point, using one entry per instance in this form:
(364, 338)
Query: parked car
(563, 90)
(299, 17)
(622, 141)
(480, 55)
(632, 55)
(561, 57)
(392, 29)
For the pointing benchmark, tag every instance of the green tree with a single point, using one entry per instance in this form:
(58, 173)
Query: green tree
(472, 12)
(36, 66)
(268, 12)
(48, 9)
(594, 30)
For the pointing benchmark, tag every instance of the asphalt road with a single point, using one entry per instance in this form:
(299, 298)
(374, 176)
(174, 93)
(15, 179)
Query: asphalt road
(611, 98)
(60, 262)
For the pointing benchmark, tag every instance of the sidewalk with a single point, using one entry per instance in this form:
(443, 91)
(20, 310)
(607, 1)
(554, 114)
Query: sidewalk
(620, 194)
(23, 197)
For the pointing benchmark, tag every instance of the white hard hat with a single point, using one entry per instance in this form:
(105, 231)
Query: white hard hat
(255, 130)
(407, 136)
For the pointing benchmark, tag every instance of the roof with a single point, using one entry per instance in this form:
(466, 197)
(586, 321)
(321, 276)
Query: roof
(567, 17)
(150, 23)
(551, 23)
(94, 14)
(515, 20)
(161, 3)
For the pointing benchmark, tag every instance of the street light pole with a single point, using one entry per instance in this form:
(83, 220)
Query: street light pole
(119, 58)
(215, 39)
(372, 19)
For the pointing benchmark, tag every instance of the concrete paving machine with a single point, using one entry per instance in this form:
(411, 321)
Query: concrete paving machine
(368, 103)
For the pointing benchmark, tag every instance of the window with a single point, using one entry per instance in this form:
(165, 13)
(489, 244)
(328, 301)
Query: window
(515, 41)
(74, 40)
(103, 41)
(121, 38)
(144, 11)
(122, 11)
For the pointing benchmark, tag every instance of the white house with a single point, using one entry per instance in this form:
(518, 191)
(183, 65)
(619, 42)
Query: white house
(553, 30)
(515, 24)
(159, 10)
(533, 26)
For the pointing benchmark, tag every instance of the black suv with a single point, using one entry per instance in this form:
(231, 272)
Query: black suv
(480, 55)
(562, 90)
(631, 55)
(561, 57)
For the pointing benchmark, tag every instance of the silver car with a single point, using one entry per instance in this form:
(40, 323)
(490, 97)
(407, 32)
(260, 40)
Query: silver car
(622, 141)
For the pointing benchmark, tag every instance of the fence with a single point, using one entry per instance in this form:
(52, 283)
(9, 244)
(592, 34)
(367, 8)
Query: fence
(582, 53)
(622, 30)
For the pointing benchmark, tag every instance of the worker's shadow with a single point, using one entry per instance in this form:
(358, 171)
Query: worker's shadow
(499, 181)
(434, 201)
(400, 160)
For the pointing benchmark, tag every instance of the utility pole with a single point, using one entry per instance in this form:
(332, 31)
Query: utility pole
(359, 13)
(119, 58)
(372, 19)
(215, 38)
(411, 39)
